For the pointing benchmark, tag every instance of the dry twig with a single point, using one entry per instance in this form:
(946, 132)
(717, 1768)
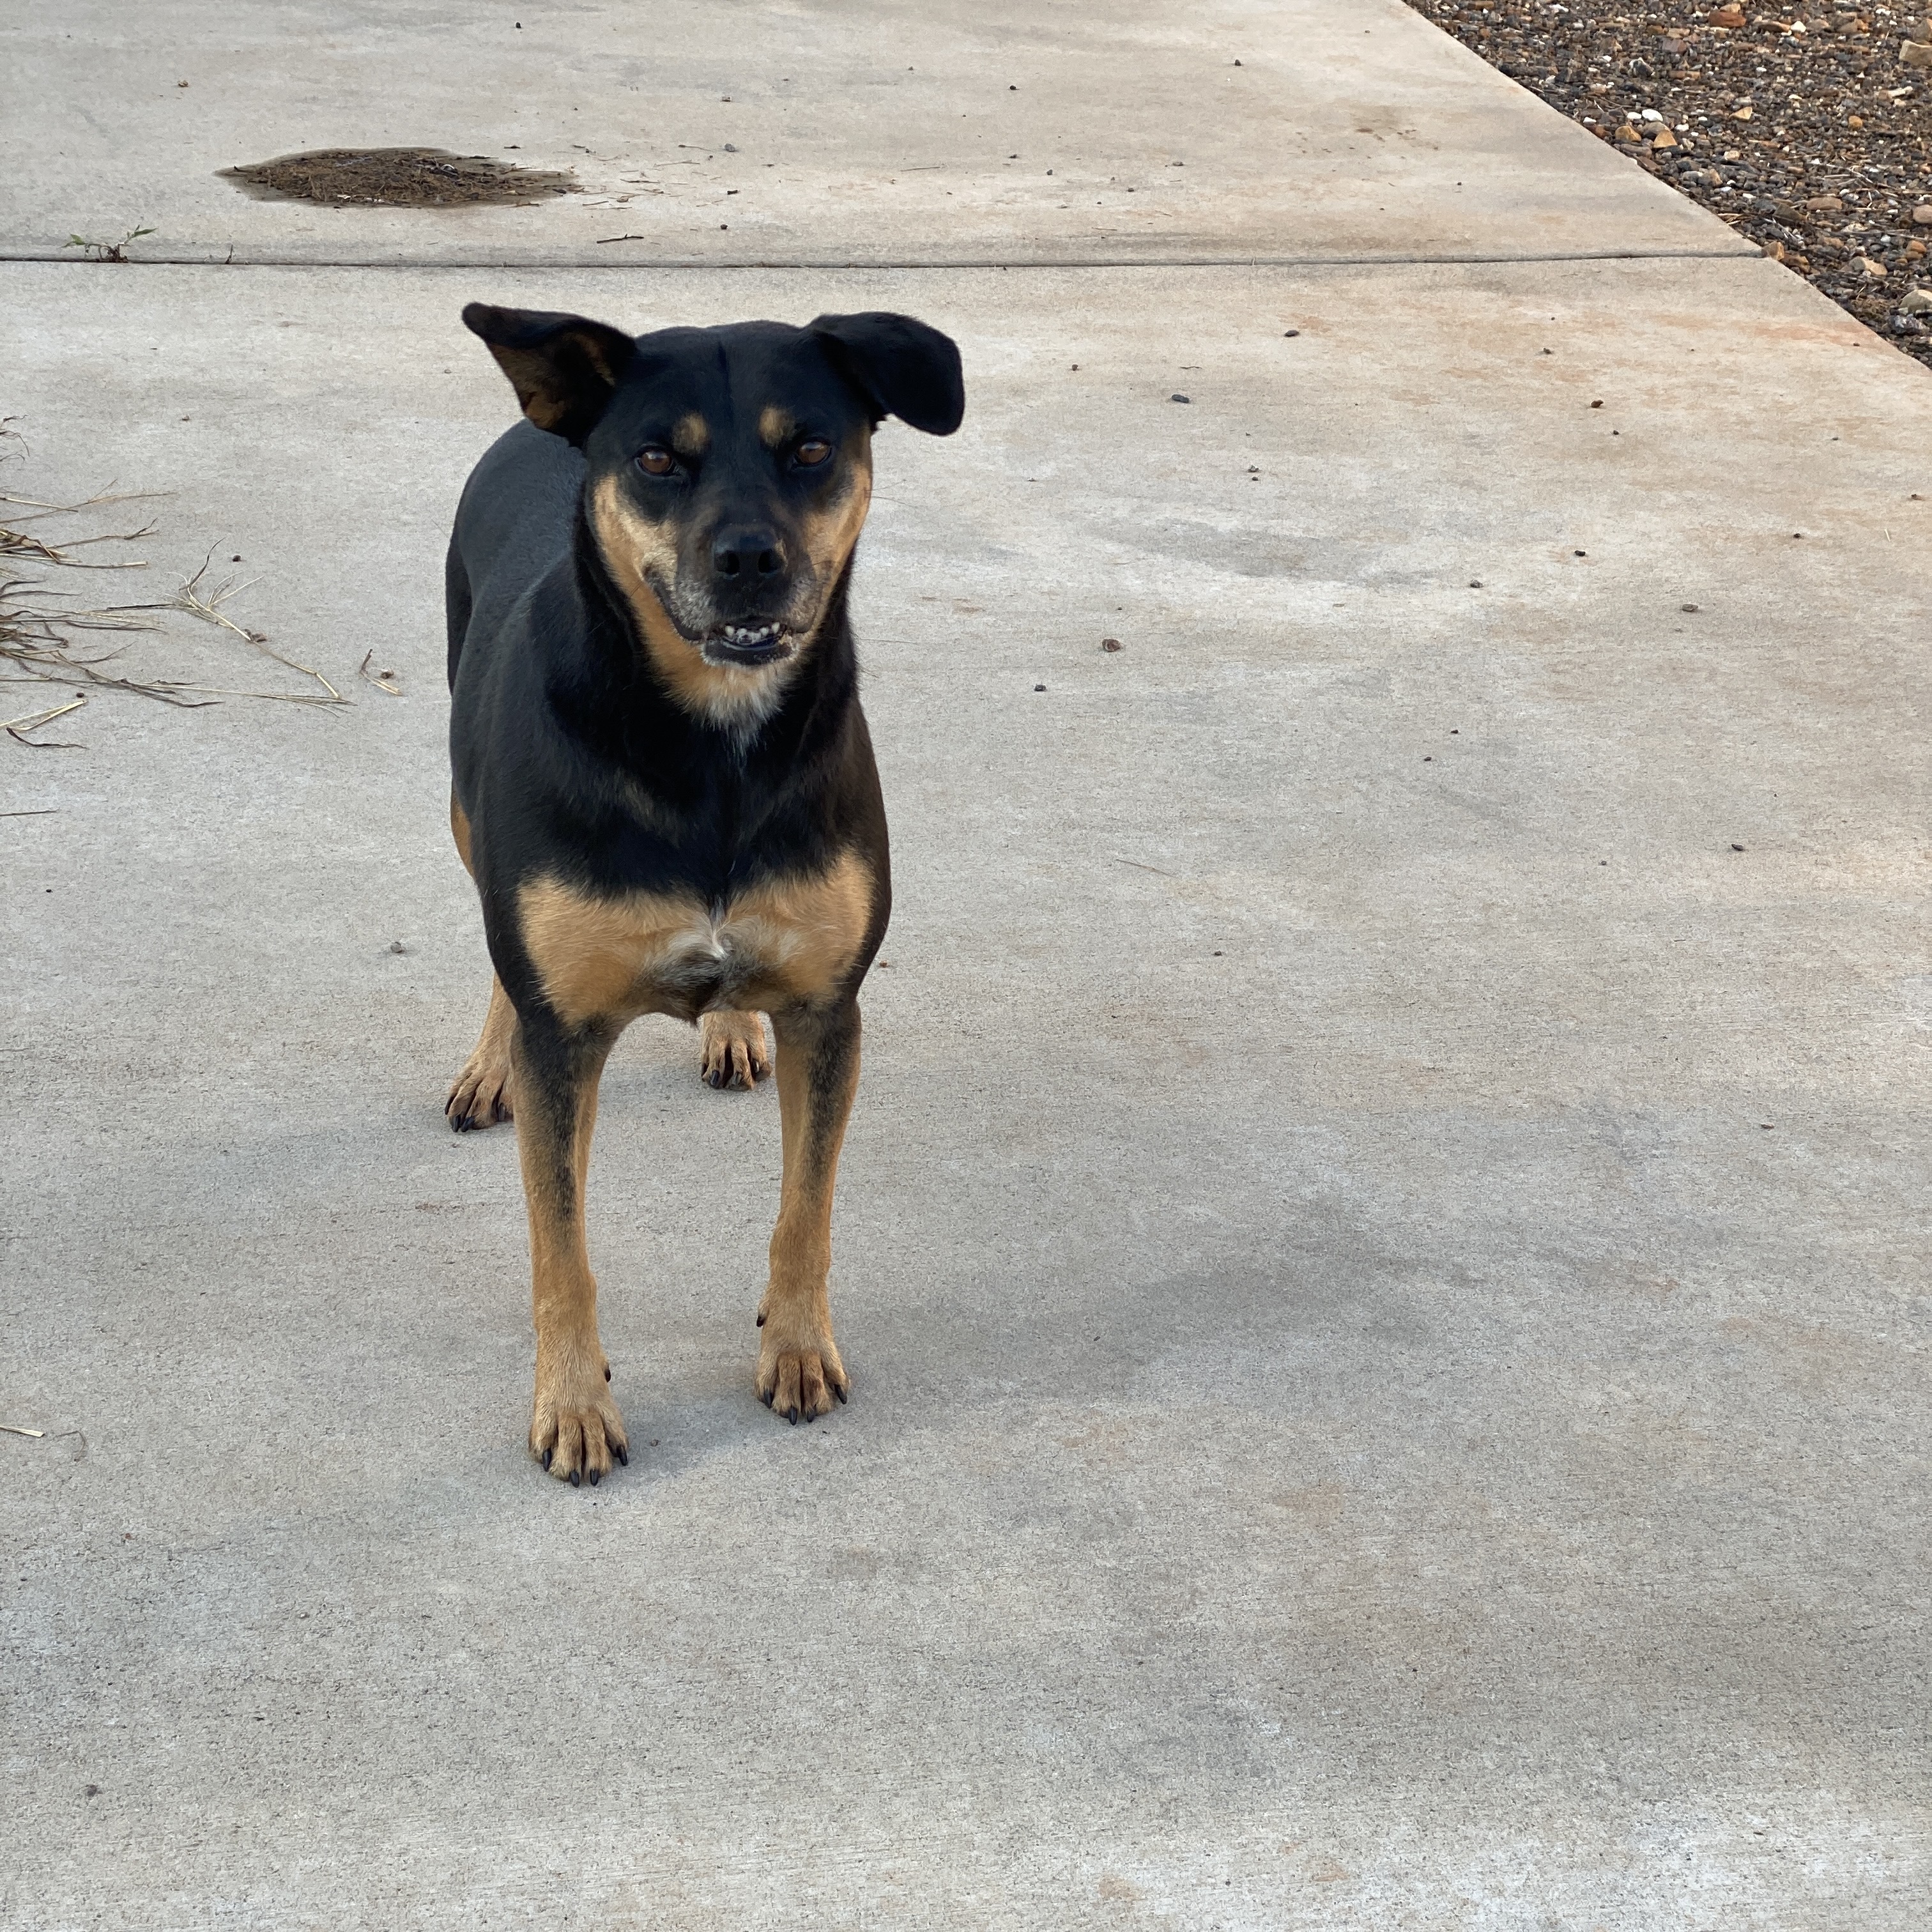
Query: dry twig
(191, 598)
(383, 680)
(17, 728)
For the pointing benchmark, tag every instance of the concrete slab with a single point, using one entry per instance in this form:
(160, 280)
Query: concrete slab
(993, 132)
(1383, 1256)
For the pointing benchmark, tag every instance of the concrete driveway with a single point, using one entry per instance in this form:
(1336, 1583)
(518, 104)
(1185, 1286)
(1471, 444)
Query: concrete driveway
(1382, 1248)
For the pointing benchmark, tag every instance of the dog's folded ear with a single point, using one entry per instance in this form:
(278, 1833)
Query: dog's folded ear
(564, 368)
(901, 368)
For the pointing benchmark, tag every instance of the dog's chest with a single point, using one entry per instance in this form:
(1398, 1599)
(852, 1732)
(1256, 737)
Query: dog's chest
(778, 942)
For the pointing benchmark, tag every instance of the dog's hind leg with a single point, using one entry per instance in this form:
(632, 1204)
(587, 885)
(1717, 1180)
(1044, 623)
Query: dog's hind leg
(480, 1095)
(733, 1053)
(798, 1369)
(575, 1427)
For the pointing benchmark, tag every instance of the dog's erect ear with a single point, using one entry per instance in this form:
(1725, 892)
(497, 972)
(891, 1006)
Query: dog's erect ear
(900, 367)
(563, 368)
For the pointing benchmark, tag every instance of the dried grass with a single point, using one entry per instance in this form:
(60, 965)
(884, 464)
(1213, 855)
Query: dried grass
(45, 636)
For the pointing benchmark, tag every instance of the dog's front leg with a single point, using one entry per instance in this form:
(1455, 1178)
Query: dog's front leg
(799, 1368)
(574, 1425)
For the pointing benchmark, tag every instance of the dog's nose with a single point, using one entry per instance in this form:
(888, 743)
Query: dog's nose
(748, 551)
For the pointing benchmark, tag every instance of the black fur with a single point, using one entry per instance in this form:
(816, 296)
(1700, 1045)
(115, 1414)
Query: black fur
(571, 756)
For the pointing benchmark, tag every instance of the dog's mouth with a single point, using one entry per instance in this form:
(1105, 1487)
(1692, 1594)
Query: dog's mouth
(748, 645)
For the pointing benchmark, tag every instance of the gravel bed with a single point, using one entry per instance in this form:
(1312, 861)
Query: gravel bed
(1810, 132)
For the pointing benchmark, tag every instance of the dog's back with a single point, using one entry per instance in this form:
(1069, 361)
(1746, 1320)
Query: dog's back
(513, 527)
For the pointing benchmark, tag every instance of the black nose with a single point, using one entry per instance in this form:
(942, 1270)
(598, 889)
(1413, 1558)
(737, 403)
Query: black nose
(747, 550)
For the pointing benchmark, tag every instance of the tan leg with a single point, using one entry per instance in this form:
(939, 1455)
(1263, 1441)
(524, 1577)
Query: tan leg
(733, 1053)
(575, 1428)
(798, 1369)
(480, 1095)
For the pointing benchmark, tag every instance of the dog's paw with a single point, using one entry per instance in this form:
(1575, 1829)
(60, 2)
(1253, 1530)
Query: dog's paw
(799, 1373)
(733, 1052)
(576, 1431)
(480, 1095)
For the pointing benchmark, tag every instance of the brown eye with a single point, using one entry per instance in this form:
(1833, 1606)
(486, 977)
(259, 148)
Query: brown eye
(655, 462)
(813, 450)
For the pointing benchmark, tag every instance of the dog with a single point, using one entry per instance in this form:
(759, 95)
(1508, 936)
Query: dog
(662, 784)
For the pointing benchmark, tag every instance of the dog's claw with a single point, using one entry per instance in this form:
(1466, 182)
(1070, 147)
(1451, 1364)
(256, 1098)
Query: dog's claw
(547, 1456)
(596, 1476)
(840, 1393)
(624, 1456)
(576, 1479)
(758, 1321)
(606, 1371)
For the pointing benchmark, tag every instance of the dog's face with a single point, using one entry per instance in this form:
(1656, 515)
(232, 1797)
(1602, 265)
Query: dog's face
(730, 469)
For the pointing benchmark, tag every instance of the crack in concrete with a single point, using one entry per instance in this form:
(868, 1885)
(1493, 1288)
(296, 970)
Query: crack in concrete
(847, 264)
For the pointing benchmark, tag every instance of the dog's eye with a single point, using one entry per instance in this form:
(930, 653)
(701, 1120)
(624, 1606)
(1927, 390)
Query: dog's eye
(654, 461)
(813, 450)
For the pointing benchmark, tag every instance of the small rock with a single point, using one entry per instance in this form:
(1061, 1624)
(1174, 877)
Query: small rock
(1874, 271)
(1651, 114)
(1178, 397)
(1475, 583)
(1111, 644)
(397, 946)
(1725, 16)
(1923, 216)
(730, 147)
(1915, 53)
(1826, 204)
(1915, 301)
(1690, 607)
(1287, 332)
(1737, 848)
(1665, 139)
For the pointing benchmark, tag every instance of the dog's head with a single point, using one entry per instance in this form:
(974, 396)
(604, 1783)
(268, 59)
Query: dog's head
(730, 469)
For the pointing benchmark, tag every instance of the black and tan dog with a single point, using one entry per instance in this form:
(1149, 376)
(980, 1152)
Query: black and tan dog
(663, 785)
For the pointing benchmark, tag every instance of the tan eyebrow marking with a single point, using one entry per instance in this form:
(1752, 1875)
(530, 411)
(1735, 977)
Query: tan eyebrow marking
(775, 426)
(692, 436)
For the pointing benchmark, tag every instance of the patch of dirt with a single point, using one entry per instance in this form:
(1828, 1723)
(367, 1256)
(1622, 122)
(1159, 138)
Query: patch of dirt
(1811, 133)
(397, 178)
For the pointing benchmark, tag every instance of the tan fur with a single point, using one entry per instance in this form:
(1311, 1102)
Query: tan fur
(778, 942)
(775, 425)
(692, 436)
(459, 829)
(574, 1421)
(799, 1366)
(480, 1095)
(727, 693)
(734, 1050)
(831, 532)
(533, 376)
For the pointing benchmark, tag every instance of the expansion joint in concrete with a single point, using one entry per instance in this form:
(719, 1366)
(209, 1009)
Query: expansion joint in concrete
(851, 265)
